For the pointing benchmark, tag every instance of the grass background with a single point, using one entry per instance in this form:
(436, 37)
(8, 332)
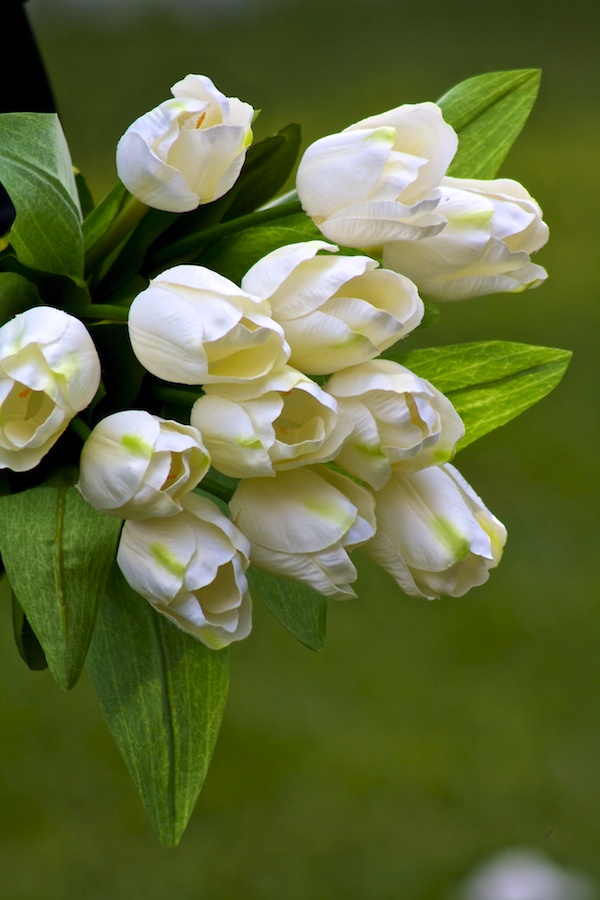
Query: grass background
(428, 735)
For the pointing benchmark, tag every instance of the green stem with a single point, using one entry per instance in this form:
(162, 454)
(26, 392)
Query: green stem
(80, 428)
(193, 243)
(180, 396)
(104, 311)
(217, 490)
(131, 215)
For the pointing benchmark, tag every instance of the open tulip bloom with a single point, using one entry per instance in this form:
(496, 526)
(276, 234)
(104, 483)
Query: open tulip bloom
(209, 396)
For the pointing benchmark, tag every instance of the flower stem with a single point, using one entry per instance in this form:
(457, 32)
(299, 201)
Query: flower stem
(80, 428)
(194, 243)
(181, 396)
(104, 311)
(216, 489)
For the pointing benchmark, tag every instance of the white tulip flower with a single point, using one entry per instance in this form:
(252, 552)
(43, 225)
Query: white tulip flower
(434, 534)
(188, 150)
(193, 326)
(282, 421)
(49, 371)
(301, 524)
(377, 181)
(400, 421)
(135, 465)
(191, 567)
(336, 311)
(493, 227)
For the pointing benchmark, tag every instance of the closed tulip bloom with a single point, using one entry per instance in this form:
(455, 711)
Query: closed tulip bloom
(336, 311)
(49, 371)
(377, 181)
(193, 326)
(191, 567)
(136, 466)
(434, 534)
(493, 227)
(188, 150)
(282, 421)
(400, 421)
(301, 524)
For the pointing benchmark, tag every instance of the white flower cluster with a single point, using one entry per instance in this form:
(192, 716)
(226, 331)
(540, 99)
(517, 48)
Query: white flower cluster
(382, 184)
(332, 446)
(301, 311)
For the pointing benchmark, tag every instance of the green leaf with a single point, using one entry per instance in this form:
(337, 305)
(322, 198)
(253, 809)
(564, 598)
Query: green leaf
(267, 168)
(17, 295)
(300, 609)
(489, 382)
(163, 695)
(36, 170)
(57, 551)
(30, 649)
(488, 113)
(86, 201)
(100, 219)
(233, 256)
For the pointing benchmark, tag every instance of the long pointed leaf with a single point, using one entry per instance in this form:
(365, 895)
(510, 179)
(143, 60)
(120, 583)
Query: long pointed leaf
(488, 113)
(489, 382)
(163, 695)
(299, 609)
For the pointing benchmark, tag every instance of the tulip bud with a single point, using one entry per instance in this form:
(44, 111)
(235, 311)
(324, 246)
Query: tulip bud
(282, 421)
(193, 326)
(49, 371)
(434, 534)
(301, 523)
(400, 421)
(335, 311)
(136, 466)
(377, 180)
(191, 568)
(188, 150)
(492, 227)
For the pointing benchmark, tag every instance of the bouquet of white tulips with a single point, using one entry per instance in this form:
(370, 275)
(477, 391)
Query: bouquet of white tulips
(208, 396)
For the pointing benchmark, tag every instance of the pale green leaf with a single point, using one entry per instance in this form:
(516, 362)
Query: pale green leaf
(57, 551)
(163, 695)
(36, 170)
(488, 113)
(300, 609)
(489, 382)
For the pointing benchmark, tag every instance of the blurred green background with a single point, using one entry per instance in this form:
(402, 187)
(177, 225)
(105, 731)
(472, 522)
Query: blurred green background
(427, 736)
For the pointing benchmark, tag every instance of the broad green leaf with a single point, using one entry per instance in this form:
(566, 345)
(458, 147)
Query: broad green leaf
(233, 256)
(489, 382)
(57, 551)
(300, 609)
(17, 295)
(163, 695)
(36, 170)
(488, 113)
